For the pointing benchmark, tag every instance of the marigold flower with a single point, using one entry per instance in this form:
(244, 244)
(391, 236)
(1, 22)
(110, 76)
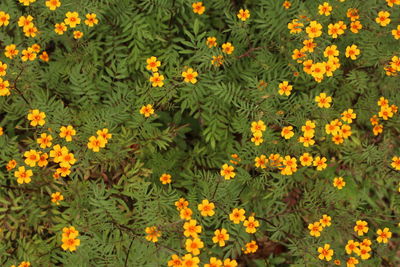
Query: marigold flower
(67, 158)
(78, 34)
(314, 30)
(53, 4)
(352, 13)
(72, 19)
(230, 263)
(56, 198)
(214, 262)
(383, 235)
(147, 111)
(165, 178)
(298, 54)
(352, 52)
(217, 60)
(153, 64)
(325, 9)
(91, 19)
(383, 18)
(198, 8)
(258, 126)
(28, 54)
(60, 28)
(67, 132)
(186, 214)
(378, 129)
(251, 225)
(4, 18)
(24, 264)
(220, 236)
(295, 26)
(336, 29)
(307, 140)
(315, 229)
(393, 2)
(361, 227)
(243, 14)
(364, 252)
(251, 247)
(23, 176)
(64, 169)
(325, 252)
(32, 157)
(4, 91)
(189, 261)
(227, 48)
(285, 88)
(352, 247)
(35, 48)
(318, 70)
(191, 229)
(181, 204)
(320, 163)
(396, 163)
(57, 152)
(43, 160)
(211, 42)
(10, 51)
(157, 80)
(152, 234)
(237, 215)
(345, 131)
(175, 261)
(385, 113)
(351, 262)
(337, 139)
(11, 165)
(25, 21)
(348, 115)
(395, 63)
(206, 208)
(308, 128)
(95, 143)
(306, 159)
(194, 245)
(27, 2)
(325, 220)
(396, 33)
(104, 133)
(261, 162)
(70, 243)
(227, 171)
(323, 101)
(287, 4)
(257, 138)
(44, 140)
(287, 132)
(190, 76)
(309, 45)
(355, 26)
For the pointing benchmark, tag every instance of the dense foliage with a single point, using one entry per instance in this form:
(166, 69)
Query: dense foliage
(185, 133)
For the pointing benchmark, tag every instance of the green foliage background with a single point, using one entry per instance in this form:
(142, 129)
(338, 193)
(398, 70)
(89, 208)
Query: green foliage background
(100, 82)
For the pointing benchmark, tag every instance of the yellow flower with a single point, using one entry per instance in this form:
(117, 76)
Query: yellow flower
(152, 234)
(198, 8)
(251, 225)
(287, 132)
(383, 18)
(230, 263)
(190, 76)
(44, 140)
(261, 162)
(28, 54)
(211, 41)
(308, 128)
(338, 182)
(325, 252)
(4, 91)
(361, 227)
(23, 176)
(189, 261)
(351, 262)
(67, 132)
(36, 117)
(396, 163)
(147, 111)
(104, 133)
(153, 64)
(186, 214)
(220, 236)
(32, 157)
(237, 215)
(56, 198)
(10, 51)
(95, 143)
(331, 51)
(165, 178)
(27, 2)
(364, 252)
(307, 140)
(383, 236)
(191, 229)
(251, 247)
(348, 115)
(53, 4)
(352, 52)
(214, 262)
(323, 100)
(206, 208)
(258, 126)
(243, 14)
(70, 243)
(91, 19)
(72, 19)
(227, 48)
(352, 247)
(227, 172)
(315, 229)
(325, 220)
(25, 21)
(181, 204)
(194, 245)
(157, 80)
(4, 19)
(60, 28)
(314, 30)
(24, 264)
(285, 88)
(11, 165)
(320, 163)
(306, 159)
(325, 9)
(78, 34)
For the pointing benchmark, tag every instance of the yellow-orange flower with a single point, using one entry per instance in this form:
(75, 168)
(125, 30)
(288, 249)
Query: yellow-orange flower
(194, 245)
(67, 132)
(60, 28)
(44, 140)
(96, 142)
(361, 227)
(323, 100)
(72, 19)
(220, 236)
(4, 18)
(165, 178)
(206, 208)
(243, 14)
(227, 48)
(352, 52)
(147, 111)
(153, 64)
(314, 30)
(237, 215)
(251, 225)
(91, 19)
(383, 18)
(36, 117)
(23, 176)
(198, 8)
(325, 252)
(157, 80)
(53, 4)
(190, 76)
(56, 198)
(338, 182)
(227, 171)
(152, 234)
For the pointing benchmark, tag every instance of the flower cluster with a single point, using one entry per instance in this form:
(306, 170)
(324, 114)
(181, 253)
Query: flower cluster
(69, 238)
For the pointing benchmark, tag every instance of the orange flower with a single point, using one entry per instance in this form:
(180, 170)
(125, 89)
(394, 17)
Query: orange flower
(206, 208)
(53, 4)
(352, 52)
(78, 34)
(383, 18)
(314, 30)
(147, 111)
(338, 182)
(211, 41)
(237, 215)
(157, 80)
(60, 28)
(285, 88)
(4, 18)
(72, 19)
(198, 8)
(153, 64)
(227, 48)
(243, 14)
(91, 19)
(190, 76)
(251, 225)
(165, 178)
(220, 236)
(325, 9)
(361, 227)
